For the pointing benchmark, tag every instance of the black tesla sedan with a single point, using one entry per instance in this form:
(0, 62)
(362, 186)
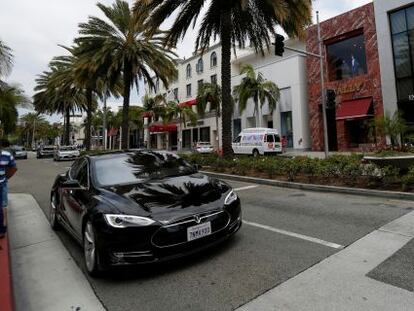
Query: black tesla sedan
(141, 206)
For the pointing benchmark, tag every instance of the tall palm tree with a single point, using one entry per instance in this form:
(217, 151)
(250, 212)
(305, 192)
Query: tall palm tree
(57, 92)
(6, 60)
(233, 22)
(259, 89)
(123, 47)
(11, 97)
(210, 93)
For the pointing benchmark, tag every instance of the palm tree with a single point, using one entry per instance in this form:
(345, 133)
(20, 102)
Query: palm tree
(232, 21)
(123, 47)
(11, 97)
(210, 93)
(31, 121)
(57, 92)
(259, 89)
(6, 60)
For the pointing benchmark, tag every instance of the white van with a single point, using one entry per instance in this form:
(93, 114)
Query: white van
(257, 141)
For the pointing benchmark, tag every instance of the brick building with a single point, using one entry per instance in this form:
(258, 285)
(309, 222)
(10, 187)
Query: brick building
(352, 70)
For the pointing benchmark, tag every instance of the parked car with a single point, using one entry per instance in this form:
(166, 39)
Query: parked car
(45, 151)
(140, 207)
(19, 152)
(203, 147)
(66, 153)
(257, 141)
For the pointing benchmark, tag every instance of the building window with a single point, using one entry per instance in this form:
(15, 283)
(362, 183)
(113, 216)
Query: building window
(200, 66)
(176, 94)
(213, 59)
(214, 79)
(346, 58)
(205, 134)
(200, 84)
(402, 30)
(188, 71)
(188, 90)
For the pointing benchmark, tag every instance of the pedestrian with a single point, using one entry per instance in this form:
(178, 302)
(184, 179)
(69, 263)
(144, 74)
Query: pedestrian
(7, 170)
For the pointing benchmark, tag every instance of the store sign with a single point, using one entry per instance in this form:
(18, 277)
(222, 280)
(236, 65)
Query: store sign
(349, 87)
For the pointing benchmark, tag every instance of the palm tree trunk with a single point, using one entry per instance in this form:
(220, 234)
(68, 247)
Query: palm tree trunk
(125, 111)
(88, 119)
(67, 127)
(225, 36)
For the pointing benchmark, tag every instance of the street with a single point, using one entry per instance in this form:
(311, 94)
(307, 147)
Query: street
(285, 232)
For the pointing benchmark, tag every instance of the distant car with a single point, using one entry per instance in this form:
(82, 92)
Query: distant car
(66, 153)
(19, 152)
(139, 207)
(45, 151)
(204, 147)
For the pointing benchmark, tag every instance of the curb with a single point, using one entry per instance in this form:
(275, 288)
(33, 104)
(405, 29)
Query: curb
(319, 188)
(6, 292)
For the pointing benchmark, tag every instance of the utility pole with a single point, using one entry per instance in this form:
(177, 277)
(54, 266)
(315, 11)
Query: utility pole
(104, 117)
(321, 59)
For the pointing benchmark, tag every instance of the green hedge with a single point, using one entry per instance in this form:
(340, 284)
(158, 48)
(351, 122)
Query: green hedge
(336, 170)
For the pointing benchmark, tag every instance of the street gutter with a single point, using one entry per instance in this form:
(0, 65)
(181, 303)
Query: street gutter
(313, 187)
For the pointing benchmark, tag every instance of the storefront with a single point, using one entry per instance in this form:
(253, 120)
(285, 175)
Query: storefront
(352, 71)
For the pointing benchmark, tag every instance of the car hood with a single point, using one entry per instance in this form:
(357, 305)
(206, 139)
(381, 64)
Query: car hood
(169, 199)
(68, 152)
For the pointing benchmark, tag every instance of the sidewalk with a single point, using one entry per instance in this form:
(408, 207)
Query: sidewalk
(45, 277)
(340, 282)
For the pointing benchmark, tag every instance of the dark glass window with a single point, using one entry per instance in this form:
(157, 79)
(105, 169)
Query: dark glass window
(82, 176)
(188, 71)
(188, 90)
(402, 29)
(213, 59)
(346, 58)
(214, 79)
(205, 134)
(200, 66)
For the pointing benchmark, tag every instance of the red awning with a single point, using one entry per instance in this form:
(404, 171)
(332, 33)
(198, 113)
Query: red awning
(159, 128)
(188, 103)
(147, 114)
(355, 109)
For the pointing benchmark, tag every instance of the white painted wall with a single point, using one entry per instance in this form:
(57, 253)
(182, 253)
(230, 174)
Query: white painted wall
(389, 90)
(289, 73)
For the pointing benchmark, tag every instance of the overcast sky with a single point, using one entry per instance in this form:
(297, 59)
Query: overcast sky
(33, 29)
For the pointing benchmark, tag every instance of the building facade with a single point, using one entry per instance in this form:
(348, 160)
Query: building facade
(192, 72)
(290, 117)
(395, 28)
(352, 70)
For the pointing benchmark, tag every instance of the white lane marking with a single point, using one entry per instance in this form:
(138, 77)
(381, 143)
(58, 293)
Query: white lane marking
(245, 188)
(295, 235)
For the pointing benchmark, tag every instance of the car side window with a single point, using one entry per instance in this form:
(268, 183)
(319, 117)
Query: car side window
(74, 169)
(270, 138)
(237, 140)
(82, 175)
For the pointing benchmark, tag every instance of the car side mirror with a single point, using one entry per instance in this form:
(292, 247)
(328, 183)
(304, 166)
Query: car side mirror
(71, 184)
(197, 167)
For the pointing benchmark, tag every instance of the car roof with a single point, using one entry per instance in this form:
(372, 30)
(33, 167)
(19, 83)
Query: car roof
(114, 154)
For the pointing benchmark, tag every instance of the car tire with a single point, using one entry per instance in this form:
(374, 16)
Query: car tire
(91, 251)
(256, 153)
(53, 217)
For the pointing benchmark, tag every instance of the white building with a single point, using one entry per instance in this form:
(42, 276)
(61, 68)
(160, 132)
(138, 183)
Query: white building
(290, 117)
(395, 23)
(191, 73)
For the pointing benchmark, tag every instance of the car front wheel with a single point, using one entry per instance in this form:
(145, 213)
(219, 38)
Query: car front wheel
(90, 250)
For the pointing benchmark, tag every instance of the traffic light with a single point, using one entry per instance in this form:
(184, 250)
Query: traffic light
(279, 45)
(330, 99)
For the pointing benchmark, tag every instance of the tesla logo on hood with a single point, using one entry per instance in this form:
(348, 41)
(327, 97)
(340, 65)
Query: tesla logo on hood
(197, 219)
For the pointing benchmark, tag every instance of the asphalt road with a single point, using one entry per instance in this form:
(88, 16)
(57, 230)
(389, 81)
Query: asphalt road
(287, 232)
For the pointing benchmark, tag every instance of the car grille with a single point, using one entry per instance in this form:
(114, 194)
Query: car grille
(176, 233)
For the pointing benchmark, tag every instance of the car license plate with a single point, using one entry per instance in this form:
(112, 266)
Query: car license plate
(199, 231)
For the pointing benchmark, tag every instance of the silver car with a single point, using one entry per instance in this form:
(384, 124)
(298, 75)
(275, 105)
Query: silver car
(66, 153)
(19, 152)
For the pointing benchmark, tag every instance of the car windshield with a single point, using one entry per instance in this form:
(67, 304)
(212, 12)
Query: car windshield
(136, 167)
(18, 148)
(48, 148)
(66, 148)
(204, 144)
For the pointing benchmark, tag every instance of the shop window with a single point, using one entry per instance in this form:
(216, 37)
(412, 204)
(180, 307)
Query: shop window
(205, 134)
(346, 58)
(186, 138)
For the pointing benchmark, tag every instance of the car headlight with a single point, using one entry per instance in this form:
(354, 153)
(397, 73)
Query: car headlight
(124, 221)
(230, 198)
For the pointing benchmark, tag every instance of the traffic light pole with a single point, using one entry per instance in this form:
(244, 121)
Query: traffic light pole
(321, 59)
(325, 120)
